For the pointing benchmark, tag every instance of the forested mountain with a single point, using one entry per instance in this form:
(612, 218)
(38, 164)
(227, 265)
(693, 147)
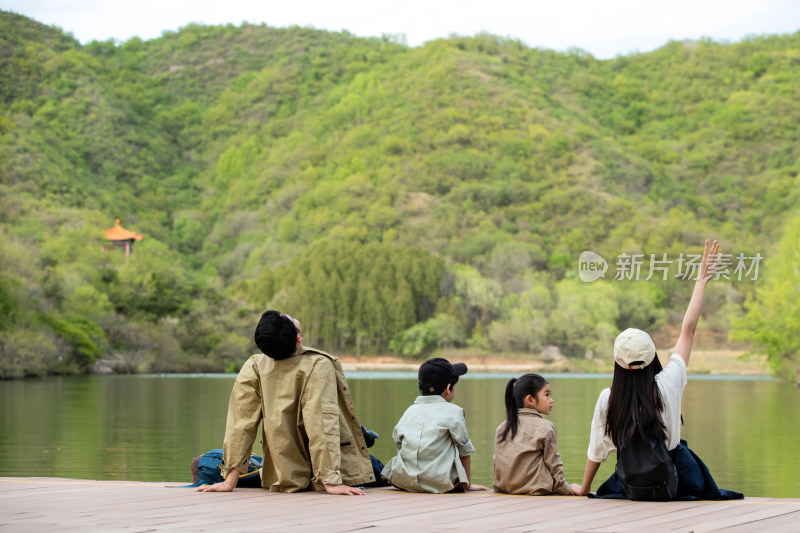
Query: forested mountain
(394, 199)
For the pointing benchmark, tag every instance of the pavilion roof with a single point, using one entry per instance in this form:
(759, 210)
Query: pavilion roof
(118, 233)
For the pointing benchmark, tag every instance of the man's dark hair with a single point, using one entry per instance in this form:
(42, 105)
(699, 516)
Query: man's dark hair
(276, 335)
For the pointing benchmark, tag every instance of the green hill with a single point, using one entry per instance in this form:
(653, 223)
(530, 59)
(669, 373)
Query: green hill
(394, 199)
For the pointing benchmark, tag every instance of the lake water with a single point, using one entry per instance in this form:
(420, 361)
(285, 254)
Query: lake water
(149, 428)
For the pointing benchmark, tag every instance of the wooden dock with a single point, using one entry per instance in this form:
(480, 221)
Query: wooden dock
(52, 504)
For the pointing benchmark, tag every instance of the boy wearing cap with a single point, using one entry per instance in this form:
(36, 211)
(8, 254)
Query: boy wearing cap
(432, 441)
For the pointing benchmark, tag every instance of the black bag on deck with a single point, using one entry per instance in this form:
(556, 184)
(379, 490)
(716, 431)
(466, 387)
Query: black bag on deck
(205, 470)
(646, 471)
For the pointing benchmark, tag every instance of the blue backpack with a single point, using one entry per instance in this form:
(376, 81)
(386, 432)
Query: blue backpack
(205, 470)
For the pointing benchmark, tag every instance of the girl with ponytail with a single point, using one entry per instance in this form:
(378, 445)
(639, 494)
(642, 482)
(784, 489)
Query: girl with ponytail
(526, 458)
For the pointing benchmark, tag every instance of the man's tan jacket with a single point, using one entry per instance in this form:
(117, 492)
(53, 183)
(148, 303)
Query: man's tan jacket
(310, 433)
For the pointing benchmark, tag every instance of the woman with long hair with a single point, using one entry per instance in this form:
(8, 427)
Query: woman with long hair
(642, 409)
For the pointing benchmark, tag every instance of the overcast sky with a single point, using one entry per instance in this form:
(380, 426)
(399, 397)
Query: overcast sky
(605, 28)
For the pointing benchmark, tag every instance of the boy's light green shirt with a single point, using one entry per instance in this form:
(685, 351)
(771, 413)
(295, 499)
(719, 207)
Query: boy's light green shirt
(430, 438)
(310, 432)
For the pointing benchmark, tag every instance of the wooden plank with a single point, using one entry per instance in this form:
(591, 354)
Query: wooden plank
(29, 504)
(717, 511)
(761, 512)
(608, 514)
(522, 511)
(654, 514)
(537, 516)
(788, 523)
(691, 514)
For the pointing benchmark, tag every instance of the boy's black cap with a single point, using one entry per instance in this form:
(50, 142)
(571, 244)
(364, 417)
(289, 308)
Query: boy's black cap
(435, 374)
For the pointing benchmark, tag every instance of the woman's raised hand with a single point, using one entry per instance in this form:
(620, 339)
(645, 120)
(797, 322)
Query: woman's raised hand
(708, 266)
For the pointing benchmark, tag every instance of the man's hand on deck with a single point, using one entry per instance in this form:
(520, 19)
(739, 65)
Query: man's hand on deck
(223, 486)
(344, 490)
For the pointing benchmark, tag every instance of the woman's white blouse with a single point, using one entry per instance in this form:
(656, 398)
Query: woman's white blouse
(670, 381)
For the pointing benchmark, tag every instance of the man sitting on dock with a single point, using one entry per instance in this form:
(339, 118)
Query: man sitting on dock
(311, 437)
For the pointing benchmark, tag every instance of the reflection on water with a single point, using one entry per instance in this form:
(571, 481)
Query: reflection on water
(149, 427)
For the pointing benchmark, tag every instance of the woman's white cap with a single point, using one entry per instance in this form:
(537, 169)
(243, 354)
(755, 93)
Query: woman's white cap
(634, 349)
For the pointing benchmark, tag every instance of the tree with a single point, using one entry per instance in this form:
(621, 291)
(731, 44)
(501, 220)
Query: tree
(772, 322)
(437, 332)
(353, 295)
(584, 316)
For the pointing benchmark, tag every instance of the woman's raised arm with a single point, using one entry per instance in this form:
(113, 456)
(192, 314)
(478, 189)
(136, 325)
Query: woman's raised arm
(707, 268)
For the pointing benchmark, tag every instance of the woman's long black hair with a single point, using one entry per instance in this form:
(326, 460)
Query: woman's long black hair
(635, 405)
(516, 391)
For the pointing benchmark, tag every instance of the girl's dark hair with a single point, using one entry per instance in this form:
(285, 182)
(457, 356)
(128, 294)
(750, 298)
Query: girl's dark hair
(635, 405)
(516, 391)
